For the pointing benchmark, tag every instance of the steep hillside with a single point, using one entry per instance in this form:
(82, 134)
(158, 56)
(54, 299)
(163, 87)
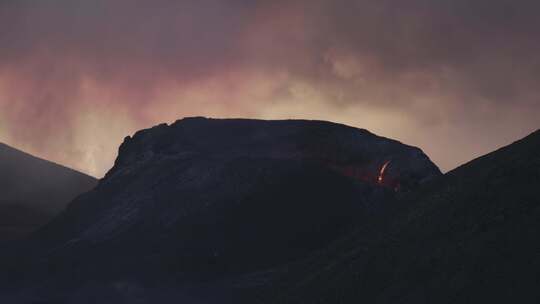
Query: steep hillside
(33, 191)
(469, 237)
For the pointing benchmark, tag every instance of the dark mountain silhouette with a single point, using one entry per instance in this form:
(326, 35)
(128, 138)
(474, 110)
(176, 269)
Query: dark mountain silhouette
(468, 237)
(34, 191)
(206, 200)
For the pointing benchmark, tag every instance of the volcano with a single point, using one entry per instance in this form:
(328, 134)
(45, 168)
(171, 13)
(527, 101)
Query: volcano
(204, 200)
(248, 211)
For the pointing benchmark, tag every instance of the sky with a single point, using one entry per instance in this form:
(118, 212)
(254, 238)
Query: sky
(456, 78)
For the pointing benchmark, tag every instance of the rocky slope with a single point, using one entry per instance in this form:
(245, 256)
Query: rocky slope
(208, 199)
(469, 237)
(34, 191)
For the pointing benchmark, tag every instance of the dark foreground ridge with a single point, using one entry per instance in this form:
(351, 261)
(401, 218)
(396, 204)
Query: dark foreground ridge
(469, 237)
(34, 191)
(202, 209)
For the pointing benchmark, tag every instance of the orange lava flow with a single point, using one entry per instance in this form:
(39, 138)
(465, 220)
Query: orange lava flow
(381, 172)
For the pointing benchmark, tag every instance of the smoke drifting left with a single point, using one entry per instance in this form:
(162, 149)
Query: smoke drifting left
(457, 78)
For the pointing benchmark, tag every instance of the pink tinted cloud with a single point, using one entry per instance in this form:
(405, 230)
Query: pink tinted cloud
(456, 78)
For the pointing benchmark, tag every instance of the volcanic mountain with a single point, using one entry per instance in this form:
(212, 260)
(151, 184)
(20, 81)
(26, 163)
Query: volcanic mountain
(468, 237)
(205, 199)
(34, 191)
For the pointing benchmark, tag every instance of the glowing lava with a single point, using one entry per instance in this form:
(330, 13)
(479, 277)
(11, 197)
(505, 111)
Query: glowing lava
(381, 172)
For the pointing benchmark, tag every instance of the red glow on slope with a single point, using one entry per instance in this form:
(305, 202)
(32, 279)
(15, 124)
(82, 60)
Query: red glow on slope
(381, 172)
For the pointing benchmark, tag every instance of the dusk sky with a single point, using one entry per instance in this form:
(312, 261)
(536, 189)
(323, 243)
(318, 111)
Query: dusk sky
(456, 78)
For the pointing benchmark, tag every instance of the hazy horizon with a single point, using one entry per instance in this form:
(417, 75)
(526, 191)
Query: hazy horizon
(444, 170)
